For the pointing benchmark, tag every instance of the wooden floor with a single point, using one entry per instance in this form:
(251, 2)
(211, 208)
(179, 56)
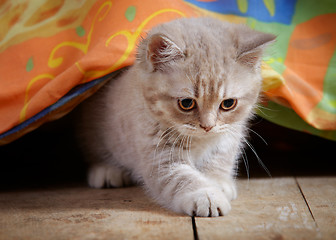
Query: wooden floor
(272, 208)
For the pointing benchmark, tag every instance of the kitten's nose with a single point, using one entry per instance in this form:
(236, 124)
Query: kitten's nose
(206, 128)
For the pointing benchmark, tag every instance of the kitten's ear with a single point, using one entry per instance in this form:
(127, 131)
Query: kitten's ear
(250, 46)
(162, 51)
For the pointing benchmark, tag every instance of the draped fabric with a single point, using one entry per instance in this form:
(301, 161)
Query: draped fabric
(56, 53)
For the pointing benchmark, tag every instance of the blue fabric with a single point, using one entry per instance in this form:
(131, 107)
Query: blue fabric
(280, 11)
(73, 94)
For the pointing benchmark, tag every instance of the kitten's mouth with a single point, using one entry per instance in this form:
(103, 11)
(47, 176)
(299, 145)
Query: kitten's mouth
(199, 132)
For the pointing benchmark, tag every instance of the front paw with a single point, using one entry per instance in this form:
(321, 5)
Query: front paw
(205, 202)
(108, 176)
(229, 189)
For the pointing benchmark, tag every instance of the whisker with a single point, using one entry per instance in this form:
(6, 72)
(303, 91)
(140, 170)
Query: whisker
(260, 108)
(258, 111)
(231, 130)
(258, 136)
(180, 155)
(260, 105)
(258, 158)
(173, 147)
(165, 133)
(189, 148)
(189, 126)
(247, 166)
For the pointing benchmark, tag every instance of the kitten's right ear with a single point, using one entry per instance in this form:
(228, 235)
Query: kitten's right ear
(162, 52)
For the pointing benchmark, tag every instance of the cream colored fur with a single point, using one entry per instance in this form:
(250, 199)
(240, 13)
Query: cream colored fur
(135, 131)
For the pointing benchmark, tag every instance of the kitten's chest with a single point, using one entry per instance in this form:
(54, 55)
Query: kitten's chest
(205, 152)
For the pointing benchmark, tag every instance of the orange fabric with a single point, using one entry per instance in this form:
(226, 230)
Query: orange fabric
(48, 47)
(56, 48)
(311, 47)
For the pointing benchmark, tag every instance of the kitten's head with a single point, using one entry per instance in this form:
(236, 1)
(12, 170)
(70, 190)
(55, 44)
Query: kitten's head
(201, 75)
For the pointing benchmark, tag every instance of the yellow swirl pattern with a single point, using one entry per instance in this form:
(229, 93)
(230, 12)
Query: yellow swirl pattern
(26, 99)
(131, 39)
(53, 63)
(84, 47)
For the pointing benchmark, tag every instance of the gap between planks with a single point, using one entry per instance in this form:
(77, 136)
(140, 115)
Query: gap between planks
(305, 200)
(277, 208)
(320, 195)
(274, 208)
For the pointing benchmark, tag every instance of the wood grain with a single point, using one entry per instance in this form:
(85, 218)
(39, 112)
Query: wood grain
(272, 208)
(320, 194)
(84, 213)
(265, 209)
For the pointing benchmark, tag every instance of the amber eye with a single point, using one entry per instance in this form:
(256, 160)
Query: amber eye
(187, 104)
(228, 104)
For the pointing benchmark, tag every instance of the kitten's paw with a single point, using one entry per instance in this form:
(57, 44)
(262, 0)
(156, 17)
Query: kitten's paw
(206, 202)
(229, 189)
(107, 176)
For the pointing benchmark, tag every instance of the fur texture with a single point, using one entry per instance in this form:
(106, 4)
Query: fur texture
(175, 121)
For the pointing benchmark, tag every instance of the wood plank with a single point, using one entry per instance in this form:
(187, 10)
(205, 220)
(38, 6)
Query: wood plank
(84, 213)
(320, 194)
(265, 209)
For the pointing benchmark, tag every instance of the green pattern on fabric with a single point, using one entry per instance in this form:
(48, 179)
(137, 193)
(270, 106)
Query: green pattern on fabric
(80, 31)
(308, 9)
(328, 102)
(30, 64)
(130, 13)
(286, 117)
(277, 52)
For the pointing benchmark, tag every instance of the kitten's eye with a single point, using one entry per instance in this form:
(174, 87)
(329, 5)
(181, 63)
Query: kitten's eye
(228, 104)
(187, 104)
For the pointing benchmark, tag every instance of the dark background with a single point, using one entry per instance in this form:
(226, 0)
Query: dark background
(50, 155)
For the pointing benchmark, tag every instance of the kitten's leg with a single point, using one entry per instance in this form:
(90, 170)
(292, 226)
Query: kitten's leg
(228, 186)
(224, 179)
(100, 176)
(184, 189)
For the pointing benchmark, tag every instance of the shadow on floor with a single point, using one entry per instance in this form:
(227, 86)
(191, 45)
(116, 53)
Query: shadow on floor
(50, 155)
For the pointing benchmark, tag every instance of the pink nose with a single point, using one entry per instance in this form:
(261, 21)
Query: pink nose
(206, 128)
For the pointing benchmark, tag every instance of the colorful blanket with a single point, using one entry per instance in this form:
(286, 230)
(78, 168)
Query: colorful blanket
(54, 54)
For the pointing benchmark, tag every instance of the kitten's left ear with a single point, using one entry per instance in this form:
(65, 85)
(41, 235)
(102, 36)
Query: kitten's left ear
(250, 45)
(162, 51)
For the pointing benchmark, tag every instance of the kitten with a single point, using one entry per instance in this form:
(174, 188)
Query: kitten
(175, 121)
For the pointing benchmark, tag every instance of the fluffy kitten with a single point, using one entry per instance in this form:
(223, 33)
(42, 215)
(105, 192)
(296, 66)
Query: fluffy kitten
(175, 121)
